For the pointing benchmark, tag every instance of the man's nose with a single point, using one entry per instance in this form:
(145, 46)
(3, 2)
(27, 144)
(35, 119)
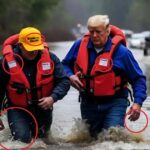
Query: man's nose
(94, 34)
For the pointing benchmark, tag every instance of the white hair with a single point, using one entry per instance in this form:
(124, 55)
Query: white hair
(98, 20)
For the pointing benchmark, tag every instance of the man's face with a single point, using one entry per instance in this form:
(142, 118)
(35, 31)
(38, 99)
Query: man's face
(29, 55)
(99, 35)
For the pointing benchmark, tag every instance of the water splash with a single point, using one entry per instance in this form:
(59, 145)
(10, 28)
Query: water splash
(79, 132)
(117, 134)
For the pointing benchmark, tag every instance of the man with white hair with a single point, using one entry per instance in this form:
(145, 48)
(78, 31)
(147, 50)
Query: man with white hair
(100, 67)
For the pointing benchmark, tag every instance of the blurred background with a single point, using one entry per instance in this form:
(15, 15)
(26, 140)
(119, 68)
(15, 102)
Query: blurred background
(64, 20)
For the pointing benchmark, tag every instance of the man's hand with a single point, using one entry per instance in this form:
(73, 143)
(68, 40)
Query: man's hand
(75, 81)
(135, 112)
(1, 125)
(46, 103)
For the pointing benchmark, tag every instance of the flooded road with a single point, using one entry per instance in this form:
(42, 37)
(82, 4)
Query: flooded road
(68, 132)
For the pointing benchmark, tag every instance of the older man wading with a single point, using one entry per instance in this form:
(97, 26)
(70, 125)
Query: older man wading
(100, 66)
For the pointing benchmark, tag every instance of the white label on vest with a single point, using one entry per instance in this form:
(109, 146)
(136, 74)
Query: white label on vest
(46, 66)
(12, 64)
(103, 62)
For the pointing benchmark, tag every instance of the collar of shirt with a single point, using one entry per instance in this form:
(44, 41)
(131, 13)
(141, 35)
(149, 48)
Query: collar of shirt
(106, 48)
(18, 51)
(98, 50)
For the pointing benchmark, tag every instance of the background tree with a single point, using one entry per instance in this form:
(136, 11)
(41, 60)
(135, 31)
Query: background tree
(56, 19)
(138, 16)
(20, 13)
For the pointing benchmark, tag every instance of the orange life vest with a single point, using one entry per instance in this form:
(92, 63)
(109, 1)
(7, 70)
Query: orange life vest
(18, 87)
(103, 80)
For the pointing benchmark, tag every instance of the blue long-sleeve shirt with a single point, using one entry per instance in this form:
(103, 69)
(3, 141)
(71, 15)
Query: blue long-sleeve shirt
(123, 60)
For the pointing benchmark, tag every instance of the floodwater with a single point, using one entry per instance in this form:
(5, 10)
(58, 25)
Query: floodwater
(69, 132)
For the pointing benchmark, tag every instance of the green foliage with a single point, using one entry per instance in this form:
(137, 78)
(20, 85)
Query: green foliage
(60, 23)
(40, 10)
(16, 14)
(139, 15)
(54, 16)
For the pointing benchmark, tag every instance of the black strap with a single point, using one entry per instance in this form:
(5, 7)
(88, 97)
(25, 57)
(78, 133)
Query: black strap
(21, 88)
(131, 96)
(4, 103)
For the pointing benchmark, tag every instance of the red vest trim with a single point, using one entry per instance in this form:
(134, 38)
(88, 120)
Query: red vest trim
(44, 78)
(103, 80)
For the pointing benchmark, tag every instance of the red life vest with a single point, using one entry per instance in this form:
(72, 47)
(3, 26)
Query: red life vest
(103, 80)
(18, 80)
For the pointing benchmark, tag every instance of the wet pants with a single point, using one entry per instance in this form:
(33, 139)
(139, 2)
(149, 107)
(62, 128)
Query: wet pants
(103, 115)
(23, 127)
